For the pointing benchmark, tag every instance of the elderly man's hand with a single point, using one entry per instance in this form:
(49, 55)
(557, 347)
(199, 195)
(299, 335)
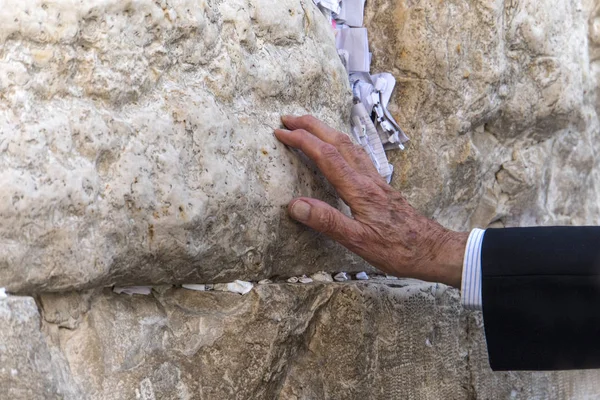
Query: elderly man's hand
(385, 230)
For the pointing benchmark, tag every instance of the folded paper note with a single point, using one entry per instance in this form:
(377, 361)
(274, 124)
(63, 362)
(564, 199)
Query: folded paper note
(373, 126)
(192, 286)
(356, 43)
(351, 13)
(331, 5)
(366, 134)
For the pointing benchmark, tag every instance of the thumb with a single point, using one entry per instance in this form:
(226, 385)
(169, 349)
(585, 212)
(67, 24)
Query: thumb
(323, 218)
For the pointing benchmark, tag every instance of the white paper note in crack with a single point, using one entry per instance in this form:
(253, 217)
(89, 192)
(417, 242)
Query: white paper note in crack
(352, 12)
(362, 87)
(355, 42)
(237, 286)
(131, 290)
(193, 286)
(375, 91)
(331, 5)
(365, 85)
(373, 147)
(384, 82)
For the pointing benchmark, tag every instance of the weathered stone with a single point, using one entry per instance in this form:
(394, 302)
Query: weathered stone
(395, 339)
(29, 367)
(499, 99)
(137, 146)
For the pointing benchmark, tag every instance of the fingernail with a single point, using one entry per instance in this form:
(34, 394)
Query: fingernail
(286, 118)
(282, 131)
(300, 210)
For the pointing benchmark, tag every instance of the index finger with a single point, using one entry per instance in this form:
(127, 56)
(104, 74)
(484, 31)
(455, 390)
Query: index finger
(354, 155)
(314, 126)
(344, 178)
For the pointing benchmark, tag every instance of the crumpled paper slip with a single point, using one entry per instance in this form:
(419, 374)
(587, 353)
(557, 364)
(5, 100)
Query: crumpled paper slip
(3, 294)
(384, 83)
(341, 277)
(131, 290)
(237, 286)
(362, 276)
(374, 92)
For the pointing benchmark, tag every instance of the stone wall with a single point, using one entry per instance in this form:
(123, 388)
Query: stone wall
(136, 148)
(377, 340)
(499, 98)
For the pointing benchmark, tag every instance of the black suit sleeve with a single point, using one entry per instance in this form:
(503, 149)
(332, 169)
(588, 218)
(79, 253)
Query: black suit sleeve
(541, 297)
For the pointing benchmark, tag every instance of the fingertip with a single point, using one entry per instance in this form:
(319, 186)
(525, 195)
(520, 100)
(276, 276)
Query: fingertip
(299, 210)
(295, 200)
(322, 217)
(283, 135)
(281, 132)
(287, 119)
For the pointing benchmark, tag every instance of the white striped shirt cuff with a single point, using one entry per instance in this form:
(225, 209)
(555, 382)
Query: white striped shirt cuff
(471, 275)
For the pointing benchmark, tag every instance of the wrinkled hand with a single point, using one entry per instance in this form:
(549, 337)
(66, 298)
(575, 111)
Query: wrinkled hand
(385, 230)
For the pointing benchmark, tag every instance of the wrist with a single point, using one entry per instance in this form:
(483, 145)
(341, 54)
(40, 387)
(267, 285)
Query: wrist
(447, 256)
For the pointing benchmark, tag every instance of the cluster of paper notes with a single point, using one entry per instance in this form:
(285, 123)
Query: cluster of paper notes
(372, 124)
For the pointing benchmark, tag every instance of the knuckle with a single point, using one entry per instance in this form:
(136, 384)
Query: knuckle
(329, 151)
(327, 222)
(344, 141)
(361, 157)
(349, 177)
(372, 193)
(362, 154)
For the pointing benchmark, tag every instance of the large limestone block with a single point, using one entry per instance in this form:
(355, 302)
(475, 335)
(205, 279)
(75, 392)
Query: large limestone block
(375, 340)
(499, 99)
(136, 140)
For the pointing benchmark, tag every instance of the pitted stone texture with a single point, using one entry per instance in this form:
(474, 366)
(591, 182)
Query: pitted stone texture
(499, 99)
(30, 368)
(136, 141)
(383, 340)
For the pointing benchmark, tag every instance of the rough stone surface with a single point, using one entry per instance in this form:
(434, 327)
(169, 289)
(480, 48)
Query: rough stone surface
(136, 140)
(136, 148)
(396, 339)
(500, 101)
(29, 367)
